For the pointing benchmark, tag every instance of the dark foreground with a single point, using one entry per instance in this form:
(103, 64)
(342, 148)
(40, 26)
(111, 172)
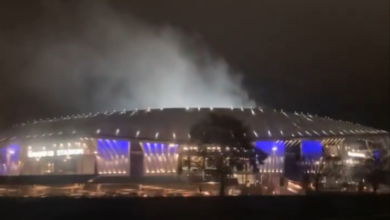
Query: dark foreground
(310, 207)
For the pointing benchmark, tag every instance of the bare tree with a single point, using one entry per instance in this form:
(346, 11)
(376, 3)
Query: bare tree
(326, 165)
(375, 166)
(313, 167)
(228, 139)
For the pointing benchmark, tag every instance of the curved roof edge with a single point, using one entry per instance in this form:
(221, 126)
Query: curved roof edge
(172, 124)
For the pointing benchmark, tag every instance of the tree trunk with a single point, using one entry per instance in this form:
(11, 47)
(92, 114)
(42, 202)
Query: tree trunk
(95, 167)
(189, 163)
(222, 185)
(316, 183)
(375, 180)
(305, 182)
(375, 187)
(203, 166)
(180, 165)
(222, 174)
(245, 172)
(360, 186)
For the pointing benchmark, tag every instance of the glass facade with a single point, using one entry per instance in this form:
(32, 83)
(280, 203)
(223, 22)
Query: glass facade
(160, 159)
(74, 157)
(113, 157)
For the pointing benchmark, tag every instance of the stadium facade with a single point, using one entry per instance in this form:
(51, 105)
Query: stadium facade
(153, 142)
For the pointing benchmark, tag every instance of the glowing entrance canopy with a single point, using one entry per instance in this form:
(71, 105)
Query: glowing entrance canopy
(52, 153)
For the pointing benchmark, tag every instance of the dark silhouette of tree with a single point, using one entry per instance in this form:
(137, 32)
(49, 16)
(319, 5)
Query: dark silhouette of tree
(228, 140)
(372, 169)
(373, 166)
(326, 165)
(374, 178)
(188, 163)
(315, 168)
(360, 186)
(95, 168)
(180, 164)
(378, 166)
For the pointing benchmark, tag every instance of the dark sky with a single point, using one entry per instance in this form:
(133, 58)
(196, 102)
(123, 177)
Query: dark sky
(321, 56)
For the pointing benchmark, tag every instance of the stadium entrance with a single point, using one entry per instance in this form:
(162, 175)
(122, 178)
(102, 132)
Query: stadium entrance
(59, 165)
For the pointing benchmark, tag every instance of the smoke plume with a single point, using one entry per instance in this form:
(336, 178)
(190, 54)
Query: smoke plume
(97, 59)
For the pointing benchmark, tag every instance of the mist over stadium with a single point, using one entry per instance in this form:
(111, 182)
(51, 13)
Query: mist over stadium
(98, 59)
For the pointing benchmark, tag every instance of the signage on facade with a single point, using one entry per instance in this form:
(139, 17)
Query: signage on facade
(66, 152)
(356, 154)
(52, 153)
(45, 153)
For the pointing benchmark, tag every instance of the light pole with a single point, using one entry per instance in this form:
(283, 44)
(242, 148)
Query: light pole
(274, 149)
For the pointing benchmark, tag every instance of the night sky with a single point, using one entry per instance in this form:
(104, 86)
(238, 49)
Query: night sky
(324, 57)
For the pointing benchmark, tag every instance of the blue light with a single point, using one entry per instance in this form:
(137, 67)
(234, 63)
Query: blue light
(107, 148)
(9, 156)
(146, 148)
(311, 148)
(158, 148)
(152, 148)
(14, 153)
(113, 157)
(172, 148)
(3, 155)
(376, 155)
(3, 160)
(100, 147)
(270, 147)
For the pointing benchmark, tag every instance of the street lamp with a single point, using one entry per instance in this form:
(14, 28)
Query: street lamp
(271, 175)
(274, 149)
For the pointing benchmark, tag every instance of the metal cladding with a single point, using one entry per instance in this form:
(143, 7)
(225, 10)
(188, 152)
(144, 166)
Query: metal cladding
(173, 125)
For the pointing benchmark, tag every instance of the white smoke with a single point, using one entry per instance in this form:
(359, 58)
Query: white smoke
(97, 59)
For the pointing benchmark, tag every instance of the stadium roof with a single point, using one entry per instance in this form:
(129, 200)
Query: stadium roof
(173, 124)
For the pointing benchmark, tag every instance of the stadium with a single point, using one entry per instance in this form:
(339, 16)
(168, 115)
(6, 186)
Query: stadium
(146, 149)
